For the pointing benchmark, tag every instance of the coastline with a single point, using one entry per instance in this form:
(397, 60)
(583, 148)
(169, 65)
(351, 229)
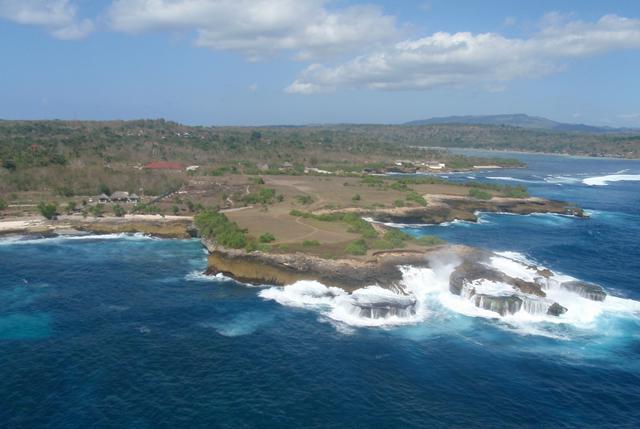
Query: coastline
(525, 152)
(154, 225)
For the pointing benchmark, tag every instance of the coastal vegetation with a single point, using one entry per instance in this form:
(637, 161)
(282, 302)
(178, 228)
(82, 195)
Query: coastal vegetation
(48, 210)
(217, 227)
(479, 194)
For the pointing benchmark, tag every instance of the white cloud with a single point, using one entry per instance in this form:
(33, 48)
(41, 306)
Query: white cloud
(253, 87)
(260, 28)
(445, 59)
(58, 17)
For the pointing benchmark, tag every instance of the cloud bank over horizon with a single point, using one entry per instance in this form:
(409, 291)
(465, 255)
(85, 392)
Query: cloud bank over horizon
(446, 59)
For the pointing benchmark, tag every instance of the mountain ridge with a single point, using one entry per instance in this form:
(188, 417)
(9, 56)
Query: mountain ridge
(519, 120)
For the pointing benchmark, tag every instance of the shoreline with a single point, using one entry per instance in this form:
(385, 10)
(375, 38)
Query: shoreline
(153, 225)
(524, 152)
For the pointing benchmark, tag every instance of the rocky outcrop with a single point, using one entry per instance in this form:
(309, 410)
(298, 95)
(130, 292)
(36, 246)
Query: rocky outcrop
(474, 278)
(471, 270)
(556, 309)
(590, 291)
(447, 209)
(526, 296)
(503, 305)
(400, 306)
(349, 274)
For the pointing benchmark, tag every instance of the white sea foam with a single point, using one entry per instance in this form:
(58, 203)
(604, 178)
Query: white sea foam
(605, 180)
(199, 276)
(562, 180)
(25, 239)
(511, 179)
(428, 288)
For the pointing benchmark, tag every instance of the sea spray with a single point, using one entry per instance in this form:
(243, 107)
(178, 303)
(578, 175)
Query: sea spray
(424, 291)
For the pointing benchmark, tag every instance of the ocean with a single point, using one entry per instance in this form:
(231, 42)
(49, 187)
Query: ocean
(124, 331)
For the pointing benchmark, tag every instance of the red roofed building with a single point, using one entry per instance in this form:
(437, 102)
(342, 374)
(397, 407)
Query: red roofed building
(164, 165)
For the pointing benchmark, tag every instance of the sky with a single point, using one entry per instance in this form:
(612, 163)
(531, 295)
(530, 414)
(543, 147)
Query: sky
(290, 62)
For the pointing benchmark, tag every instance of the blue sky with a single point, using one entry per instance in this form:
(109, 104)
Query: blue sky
(251, 62)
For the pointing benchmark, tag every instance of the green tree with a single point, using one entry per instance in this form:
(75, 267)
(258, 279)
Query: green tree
(358, 247)
(48, 210)
(479, 194)
(9, 164)
(104, 189)
(97, 210)
(267, 237)
(71, 206)
(3, 204)
(118, 210)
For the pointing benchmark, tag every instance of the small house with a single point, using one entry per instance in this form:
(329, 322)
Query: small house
(133, 198)
(103, 198)
(120, 196)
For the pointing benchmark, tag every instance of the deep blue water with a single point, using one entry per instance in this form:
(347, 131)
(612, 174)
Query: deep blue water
(118, 332)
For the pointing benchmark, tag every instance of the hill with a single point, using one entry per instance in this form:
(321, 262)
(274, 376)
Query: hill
(519, 120)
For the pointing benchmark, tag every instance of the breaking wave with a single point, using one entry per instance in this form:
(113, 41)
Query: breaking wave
(424, 292)
(26, 239)
(199, 276)
(511, 179)
(605, 180)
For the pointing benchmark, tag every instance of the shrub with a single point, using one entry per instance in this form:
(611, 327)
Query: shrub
(97, 210)
(264, 196)
(396, 237)
(359, 225)
(372, 181)
(399, 186)
(3, 204)
(479, 194)
(416, 198)
(71, 206)
(257, 180)
(515, 192)
(355, 198)
(218, 227)
(48, 210)
(104, 189)
(146, 209)
(118, 210)
(175, 209)
(9, 164)
(429, 240)
(267, 237)
(310, 243)
(398, 203)
(263, 247)
(304, 199)
(358, 247)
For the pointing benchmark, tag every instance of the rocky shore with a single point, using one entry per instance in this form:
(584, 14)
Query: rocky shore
(154, 225)
(442, 209)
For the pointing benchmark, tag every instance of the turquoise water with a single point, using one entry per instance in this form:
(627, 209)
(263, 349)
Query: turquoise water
(121, 331)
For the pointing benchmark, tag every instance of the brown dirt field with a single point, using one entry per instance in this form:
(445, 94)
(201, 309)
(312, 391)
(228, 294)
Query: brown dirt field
(326, 192)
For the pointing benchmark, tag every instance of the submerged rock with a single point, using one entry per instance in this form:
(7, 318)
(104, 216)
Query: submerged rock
(556, 309)
(469, 271)
(590, 291)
